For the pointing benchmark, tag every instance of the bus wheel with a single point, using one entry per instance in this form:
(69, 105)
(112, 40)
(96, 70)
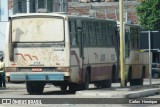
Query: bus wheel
(34, 87)
(140, 81)
(106, 84)
(73, 87)
(133, 82)
(39, 89)
(85, 85)
(63, 87)
(97, 85)
(30, 87)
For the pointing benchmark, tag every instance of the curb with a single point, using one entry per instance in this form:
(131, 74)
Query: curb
(101, 94)
(143, 93)
(3, 88)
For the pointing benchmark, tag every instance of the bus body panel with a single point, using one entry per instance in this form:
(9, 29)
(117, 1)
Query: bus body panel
(40, 48)
(32, 53)
(101, 61)
(136, 62)
(40, 56)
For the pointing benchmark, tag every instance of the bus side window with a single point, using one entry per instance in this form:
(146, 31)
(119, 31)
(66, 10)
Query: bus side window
(134, 38)
(98, 36)
(110, 34)
(103, 33)
(127, 43)
(73, 34)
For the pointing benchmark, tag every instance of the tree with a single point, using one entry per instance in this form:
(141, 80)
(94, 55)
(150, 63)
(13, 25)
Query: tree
(149, 14)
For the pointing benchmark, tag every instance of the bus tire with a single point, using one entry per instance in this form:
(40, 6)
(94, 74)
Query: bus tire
(86, 81)
(113, 73)
(140, 81)
(130, 74)
(30, 88)
(34, 87)
(63, 87)
(133, 82)
(125, 82)
(106, 84)
(73, 88)
(97, 85)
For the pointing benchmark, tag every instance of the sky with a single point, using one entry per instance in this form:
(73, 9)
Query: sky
(2, 34)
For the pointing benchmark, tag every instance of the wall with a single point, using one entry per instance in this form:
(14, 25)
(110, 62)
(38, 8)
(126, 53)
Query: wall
(108, 10)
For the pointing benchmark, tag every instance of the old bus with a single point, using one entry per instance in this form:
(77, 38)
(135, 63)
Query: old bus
(67, 51)
(136, 62)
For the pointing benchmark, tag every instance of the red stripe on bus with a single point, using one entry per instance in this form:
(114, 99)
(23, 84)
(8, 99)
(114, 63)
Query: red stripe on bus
(28, 56)
(21, 55)
(13, 64)
(35, 57)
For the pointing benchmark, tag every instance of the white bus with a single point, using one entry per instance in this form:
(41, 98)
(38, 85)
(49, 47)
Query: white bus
(67, 51)
(136, 62)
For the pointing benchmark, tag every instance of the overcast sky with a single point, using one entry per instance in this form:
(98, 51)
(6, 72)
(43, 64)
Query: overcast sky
(2, 34)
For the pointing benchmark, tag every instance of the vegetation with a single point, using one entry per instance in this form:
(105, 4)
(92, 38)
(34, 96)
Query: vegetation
(149, 14)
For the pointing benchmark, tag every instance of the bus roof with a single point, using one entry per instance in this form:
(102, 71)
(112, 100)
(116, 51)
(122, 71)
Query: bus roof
(60, 15)
(128, 24)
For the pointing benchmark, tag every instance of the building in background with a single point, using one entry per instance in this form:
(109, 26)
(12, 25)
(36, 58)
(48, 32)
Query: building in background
(32, 6)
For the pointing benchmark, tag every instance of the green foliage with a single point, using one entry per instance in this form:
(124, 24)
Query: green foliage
(149, 14)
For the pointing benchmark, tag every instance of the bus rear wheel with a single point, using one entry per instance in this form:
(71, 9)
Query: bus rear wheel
(134, 82)
(74, 87)
(35, 87)
(63, 87)
(85, 85)
(106, 84)
(97, 85)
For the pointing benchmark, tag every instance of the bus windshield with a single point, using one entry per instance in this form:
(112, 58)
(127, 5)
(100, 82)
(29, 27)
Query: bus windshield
(36, 29)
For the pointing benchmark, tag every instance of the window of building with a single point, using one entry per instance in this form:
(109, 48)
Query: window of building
(20, 6)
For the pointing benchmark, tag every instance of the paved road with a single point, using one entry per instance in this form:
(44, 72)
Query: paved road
(50, 91)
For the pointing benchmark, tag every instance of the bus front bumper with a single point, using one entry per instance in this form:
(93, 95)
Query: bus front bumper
(38, 76)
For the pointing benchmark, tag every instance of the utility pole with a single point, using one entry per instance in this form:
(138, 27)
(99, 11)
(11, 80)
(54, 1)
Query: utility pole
(122, 66)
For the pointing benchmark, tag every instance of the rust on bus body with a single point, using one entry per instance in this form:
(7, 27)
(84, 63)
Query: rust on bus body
(39, 56)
